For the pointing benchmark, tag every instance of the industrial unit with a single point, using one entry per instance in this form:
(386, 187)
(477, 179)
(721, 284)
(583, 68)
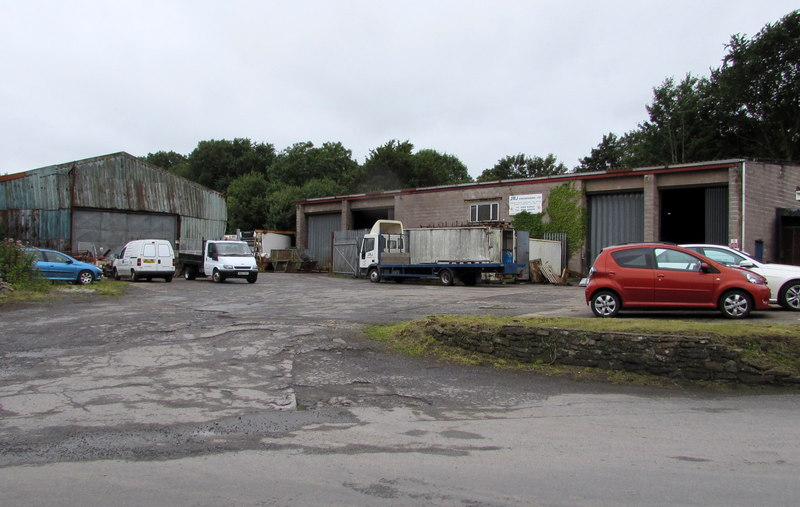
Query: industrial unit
(103, 202)
(752, 205)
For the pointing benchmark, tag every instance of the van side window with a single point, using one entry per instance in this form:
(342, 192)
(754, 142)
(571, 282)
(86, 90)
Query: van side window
(163, 250)
(149, 250)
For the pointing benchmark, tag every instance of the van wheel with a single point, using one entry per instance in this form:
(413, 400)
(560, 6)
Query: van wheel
(606, 304)
(217, 276)
(115, 274)
(252, 278)
(735, 304)
(134, 276)
(168, 279)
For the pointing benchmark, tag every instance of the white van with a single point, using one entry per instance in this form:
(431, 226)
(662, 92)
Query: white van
(145, 259)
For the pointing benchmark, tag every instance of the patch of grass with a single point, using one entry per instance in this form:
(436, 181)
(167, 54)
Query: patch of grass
(770, 345)
(43, 290)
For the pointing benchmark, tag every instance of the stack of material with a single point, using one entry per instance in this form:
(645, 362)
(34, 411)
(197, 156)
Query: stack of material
(541, 272)
(290, 261)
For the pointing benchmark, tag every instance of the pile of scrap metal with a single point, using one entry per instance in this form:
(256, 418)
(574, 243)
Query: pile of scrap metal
(290, 260)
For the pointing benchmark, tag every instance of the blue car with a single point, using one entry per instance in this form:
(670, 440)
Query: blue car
(60, 266)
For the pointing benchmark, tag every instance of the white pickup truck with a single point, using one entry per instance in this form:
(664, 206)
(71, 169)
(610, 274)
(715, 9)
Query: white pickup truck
(219, 259)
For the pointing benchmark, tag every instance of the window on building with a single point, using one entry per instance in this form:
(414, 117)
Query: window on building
(486, 212)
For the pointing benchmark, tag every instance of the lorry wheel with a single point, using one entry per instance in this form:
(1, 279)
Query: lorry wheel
(374, 275)
(446, 276)
(189, 273)
(217, 276)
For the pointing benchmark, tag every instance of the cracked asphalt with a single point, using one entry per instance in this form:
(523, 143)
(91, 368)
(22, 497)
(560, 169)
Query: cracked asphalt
(195, 393)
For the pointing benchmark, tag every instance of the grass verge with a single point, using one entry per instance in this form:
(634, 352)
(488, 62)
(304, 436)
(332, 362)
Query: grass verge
(770, 345)
(43, 290)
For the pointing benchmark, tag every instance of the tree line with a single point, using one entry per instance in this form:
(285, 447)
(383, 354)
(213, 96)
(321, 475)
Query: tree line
(749, 107)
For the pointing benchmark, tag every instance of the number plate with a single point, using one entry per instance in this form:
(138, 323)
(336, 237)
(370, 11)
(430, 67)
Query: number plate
(243, 273)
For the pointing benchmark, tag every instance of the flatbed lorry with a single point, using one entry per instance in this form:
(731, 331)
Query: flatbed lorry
(388, 252)
(219, 259)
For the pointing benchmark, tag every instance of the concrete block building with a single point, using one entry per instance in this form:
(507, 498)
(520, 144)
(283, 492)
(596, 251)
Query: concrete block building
(753, 205)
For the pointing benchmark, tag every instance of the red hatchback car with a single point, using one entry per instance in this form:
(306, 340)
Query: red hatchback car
(661, 276)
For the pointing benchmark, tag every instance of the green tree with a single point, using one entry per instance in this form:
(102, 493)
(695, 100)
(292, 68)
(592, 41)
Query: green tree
(522, 166)
(216, 163)
(165, 159)
(609, 154)
(282, 200)
(303, 161)
(388, 167)
(758, 92)
(432, 168)
(247, 202)
(748, 107)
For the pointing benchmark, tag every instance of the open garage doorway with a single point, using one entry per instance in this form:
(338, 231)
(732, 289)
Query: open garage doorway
(365, 218)
(694, 215)
(788, 223)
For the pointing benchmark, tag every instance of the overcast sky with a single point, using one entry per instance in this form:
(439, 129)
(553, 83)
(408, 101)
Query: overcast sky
(478, 80)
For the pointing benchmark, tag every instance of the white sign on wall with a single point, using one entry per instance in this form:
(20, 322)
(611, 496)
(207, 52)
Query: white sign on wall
(532, 203)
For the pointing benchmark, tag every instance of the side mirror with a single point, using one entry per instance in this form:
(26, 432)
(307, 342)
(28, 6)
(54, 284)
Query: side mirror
(747, 264)
(704, 267)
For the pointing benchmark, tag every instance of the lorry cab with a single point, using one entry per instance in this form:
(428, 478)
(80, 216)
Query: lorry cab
(385, 237)
(145, 259)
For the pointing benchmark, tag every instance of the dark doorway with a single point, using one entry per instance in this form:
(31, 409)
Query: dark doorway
(694, 215)
(365, 218)
(789, 236)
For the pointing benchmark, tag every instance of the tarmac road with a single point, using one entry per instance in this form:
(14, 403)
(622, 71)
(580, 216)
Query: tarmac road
(195, 393)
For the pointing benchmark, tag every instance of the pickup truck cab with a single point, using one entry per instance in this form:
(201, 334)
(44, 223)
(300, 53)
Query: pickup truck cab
(220, 259)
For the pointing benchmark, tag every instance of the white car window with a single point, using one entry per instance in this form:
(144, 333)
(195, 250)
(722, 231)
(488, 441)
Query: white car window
(724, 256)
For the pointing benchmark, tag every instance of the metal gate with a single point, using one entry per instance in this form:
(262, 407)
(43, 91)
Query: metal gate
(345, 251)
(320, 231)
(615, 219)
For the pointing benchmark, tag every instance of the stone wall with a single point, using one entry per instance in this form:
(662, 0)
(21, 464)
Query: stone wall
(680, 357)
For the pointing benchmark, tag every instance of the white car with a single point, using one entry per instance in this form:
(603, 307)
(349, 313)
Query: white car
(782, 279)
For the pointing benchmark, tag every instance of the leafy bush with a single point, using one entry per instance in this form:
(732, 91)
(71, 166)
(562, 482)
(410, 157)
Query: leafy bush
(16, 267)
(563, 214)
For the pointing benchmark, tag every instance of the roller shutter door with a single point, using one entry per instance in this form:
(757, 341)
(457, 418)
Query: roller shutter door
(615, 219)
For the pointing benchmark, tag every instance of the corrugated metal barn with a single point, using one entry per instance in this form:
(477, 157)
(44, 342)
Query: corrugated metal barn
(104, 202)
